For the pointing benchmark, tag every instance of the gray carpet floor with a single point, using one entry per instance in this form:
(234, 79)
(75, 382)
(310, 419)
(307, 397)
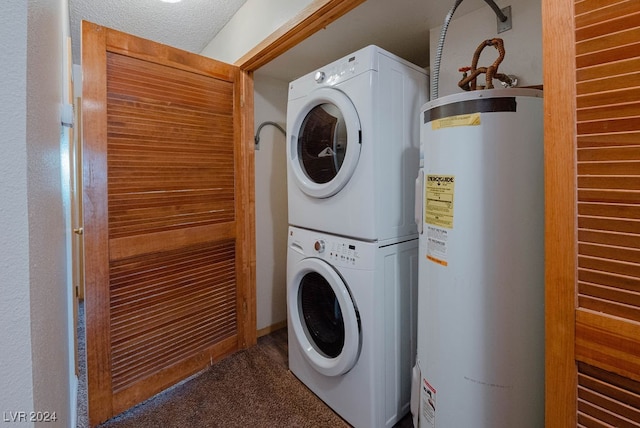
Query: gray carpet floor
(252, 388)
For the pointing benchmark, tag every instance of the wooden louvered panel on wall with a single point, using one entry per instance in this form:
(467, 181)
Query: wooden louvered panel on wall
(170, 177)
(168, 205)
(168, 306)
(607, 335)
(169, 160)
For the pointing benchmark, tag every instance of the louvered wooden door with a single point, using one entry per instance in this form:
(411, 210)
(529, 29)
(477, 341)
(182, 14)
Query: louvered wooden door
(167, 202)
(592, 140)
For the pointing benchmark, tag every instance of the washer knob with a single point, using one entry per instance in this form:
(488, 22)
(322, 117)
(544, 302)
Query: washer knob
(319, 246)
(319, 77)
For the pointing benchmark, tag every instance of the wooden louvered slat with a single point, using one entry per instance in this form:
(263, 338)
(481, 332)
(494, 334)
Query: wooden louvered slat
(593, 12)
(608, 238)
(623, 311)
(610, 252)
(608, 126)
(613, 294)
(605, 56)
(618, 167)
(609, 265)
(607, 71)
(608, 398)
(623, 96)
(607, 112)
(623, 282)
(609, 81)
(604, 140)
(609, 153)
(609, 196)
(611, 25)
(609, 210)
(608, 42)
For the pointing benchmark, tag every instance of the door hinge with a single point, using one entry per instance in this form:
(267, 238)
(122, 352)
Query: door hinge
(66, 115)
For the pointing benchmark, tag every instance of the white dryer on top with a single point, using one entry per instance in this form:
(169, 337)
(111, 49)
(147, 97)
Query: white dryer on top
(353, 146)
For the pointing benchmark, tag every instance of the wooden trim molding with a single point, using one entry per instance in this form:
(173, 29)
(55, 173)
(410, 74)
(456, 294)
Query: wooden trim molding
(271, 328)
(317, 15)
(245, 208)
(96, 240)
(560, 211)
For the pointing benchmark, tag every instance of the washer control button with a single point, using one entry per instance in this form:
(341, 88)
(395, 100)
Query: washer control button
(319, 76)
(319, 246)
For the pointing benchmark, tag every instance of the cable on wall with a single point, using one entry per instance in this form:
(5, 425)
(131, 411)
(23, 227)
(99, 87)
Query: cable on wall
(256, 139)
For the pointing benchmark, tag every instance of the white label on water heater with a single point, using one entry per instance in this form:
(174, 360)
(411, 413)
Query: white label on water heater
(428, 405)
(437, 238)
(472, 119)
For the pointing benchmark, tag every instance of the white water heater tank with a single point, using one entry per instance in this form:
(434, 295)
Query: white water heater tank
(481, 289)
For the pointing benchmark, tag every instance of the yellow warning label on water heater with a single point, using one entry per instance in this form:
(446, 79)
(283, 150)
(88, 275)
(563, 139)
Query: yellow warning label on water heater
(438, 209)
(472, 119)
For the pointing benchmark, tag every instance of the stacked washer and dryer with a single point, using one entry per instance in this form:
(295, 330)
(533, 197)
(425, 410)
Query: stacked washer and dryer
(353, 151)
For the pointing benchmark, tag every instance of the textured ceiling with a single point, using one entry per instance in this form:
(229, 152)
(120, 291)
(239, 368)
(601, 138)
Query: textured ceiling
(188, 25)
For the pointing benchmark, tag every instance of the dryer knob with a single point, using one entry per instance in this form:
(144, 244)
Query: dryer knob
(319, 246)
(319, 77)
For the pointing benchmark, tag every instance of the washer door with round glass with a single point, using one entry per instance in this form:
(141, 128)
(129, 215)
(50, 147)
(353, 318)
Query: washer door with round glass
(324, 143)
(324, 317)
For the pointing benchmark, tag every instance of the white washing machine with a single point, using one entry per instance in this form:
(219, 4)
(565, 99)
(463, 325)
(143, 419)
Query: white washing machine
(353, 146)
(351, 321)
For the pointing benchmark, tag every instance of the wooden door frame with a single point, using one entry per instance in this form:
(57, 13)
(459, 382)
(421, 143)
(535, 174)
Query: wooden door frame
(558, 44)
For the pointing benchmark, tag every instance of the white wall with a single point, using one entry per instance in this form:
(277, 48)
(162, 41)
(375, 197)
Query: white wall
(47, 227)
(270, 104)
(251, 24)
(523, 44)
(34, 309)
(16, 393)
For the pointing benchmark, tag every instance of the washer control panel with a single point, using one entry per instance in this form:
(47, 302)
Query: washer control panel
(344, 253)
(336, 250)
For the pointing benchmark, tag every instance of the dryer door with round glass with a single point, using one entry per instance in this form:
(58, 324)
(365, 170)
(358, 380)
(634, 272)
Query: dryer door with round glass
(324, 317)
(324, 143)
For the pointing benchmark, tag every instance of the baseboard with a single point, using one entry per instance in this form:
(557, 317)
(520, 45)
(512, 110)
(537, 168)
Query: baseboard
(73, 405)
(270, 329)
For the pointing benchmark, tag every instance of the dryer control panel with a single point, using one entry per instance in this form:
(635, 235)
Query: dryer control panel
(363, 61)
(338, 72)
